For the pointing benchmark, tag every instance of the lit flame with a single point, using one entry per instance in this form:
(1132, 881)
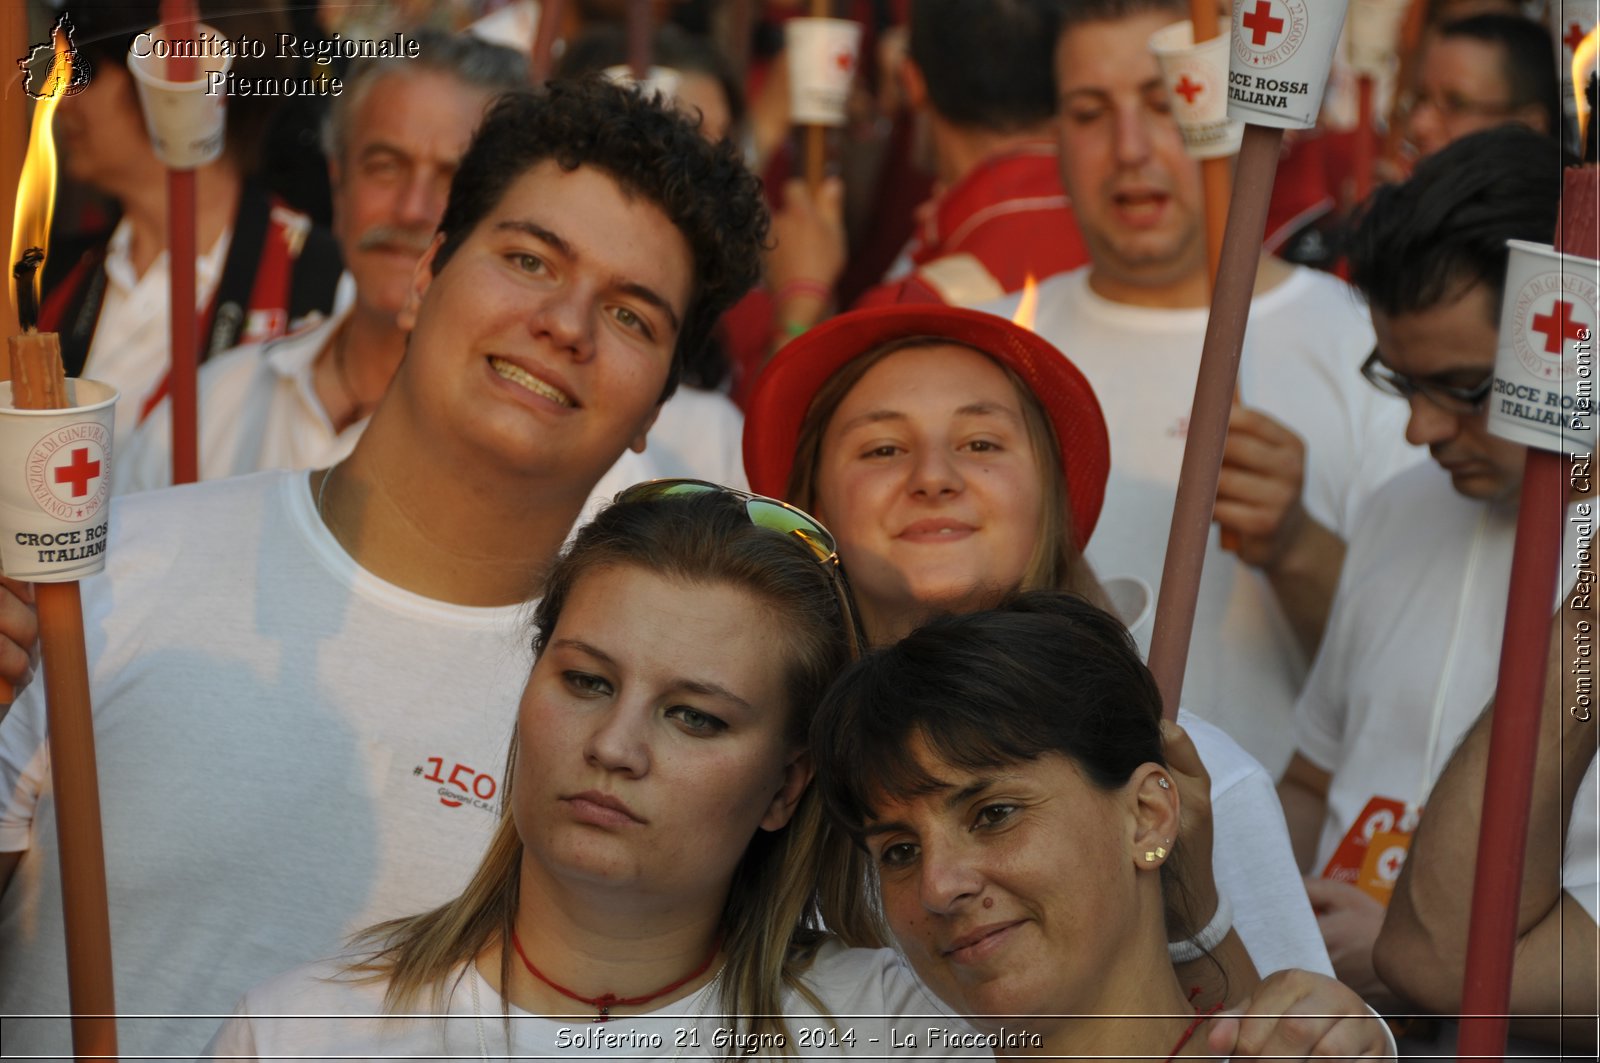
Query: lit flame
(1583, 68)
(1027, 309)
(36, 191)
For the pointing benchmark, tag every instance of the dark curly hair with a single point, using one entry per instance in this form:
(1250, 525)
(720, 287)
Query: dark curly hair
(652, 152)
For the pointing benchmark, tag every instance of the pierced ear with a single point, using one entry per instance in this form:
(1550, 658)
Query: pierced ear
(421, 278)
(796, 777)
(1155, 815)
(639, 441)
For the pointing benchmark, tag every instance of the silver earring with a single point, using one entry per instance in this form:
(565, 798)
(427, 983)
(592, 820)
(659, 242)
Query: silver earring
(1161, 781)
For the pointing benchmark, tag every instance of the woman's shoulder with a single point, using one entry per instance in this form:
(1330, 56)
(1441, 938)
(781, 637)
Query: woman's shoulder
(333, 986)
(858, 982)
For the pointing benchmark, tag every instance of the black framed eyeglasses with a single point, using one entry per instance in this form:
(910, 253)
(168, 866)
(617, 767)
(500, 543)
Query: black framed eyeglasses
(774, 515)
(1463, 401)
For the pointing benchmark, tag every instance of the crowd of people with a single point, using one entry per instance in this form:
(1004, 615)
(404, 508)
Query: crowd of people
(641, 603)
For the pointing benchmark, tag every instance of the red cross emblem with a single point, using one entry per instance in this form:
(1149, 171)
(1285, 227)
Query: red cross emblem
(1554, 326)
(1188, 89)
(845, 61)
(1390, 862)
(79, 473)
(1262, 23)
(1573, 37)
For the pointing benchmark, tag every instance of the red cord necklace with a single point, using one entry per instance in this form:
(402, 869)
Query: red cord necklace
(606, 1001)
(1199, 1017)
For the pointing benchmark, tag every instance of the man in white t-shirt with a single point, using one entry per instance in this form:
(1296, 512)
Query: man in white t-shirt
(394, 137)
(1308, 443)
(304, 685)
(1412, 649)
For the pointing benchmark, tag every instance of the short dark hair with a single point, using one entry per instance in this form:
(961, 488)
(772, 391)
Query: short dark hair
(1046, 672)
(652, 152)
(987, 63)
(1527, 60)
(1425, 241)
(1077, 12)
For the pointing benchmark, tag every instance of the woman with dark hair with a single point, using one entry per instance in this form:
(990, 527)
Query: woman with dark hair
(959, 458)
(1004, 772)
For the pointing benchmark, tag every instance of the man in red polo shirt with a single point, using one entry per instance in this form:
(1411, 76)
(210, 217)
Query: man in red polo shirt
(981, 73)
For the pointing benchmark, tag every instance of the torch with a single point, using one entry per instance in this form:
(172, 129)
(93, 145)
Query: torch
(551, 13)
(1282, 52)
(822, 54)
(641, 26)
(1374, 38)
(53, 512)
(1543, 398)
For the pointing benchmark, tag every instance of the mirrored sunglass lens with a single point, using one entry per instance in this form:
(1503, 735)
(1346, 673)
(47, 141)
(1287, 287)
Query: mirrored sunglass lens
(779, 518)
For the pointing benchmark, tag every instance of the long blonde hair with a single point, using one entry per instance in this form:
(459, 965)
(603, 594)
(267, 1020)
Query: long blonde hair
(771, 923)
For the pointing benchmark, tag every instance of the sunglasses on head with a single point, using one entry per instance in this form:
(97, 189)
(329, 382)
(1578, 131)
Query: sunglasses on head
(774, 515)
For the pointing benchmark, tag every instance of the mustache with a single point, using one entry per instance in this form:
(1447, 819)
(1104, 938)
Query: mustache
(395, 236)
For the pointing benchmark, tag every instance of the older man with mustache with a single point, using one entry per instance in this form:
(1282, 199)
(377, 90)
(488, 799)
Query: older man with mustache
(393, 139)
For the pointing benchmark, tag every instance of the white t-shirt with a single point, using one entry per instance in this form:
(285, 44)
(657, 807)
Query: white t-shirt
(258, 410)
(1411, 656)
(132, 346)
(876, 1006)
(1301, 365)
(700, 435)
(289, 749)
(1251, 858)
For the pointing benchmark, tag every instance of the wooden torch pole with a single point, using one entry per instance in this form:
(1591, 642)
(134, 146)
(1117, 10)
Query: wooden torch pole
(1208, 418)
(178, 16)
(551, 12)
(1216, 174)
(816, 142)
(1514, 735)
(38, 384)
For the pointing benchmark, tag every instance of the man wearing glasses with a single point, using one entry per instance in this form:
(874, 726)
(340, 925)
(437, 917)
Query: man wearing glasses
(1480, 72)
(1412, 645)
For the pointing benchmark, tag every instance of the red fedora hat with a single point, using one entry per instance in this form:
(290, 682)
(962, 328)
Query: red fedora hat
(784, 392)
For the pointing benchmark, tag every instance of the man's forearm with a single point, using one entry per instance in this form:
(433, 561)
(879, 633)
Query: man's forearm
(1421, 952)
(1304, 581)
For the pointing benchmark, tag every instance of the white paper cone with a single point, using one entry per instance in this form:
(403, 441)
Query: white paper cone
(55, 481)
(659, 81)
(1197, 86)
(187, 120)
(822, 64)
(1282, 52)
(1544, 372)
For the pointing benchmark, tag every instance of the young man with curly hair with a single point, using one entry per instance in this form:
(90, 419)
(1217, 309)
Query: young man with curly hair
(303, 684)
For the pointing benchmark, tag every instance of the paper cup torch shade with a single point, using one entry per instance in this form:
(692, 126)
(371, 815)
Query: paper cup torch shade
(1282, 52)
(1196, 77)
(186, 119)
(661, 81)
(1372, 34)
(55, 483)
(1544, 372)
(822, 55)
